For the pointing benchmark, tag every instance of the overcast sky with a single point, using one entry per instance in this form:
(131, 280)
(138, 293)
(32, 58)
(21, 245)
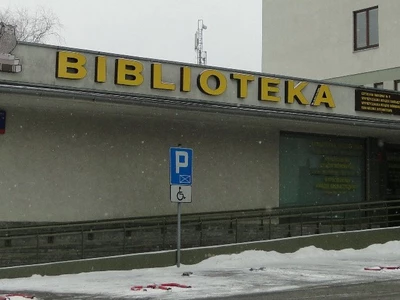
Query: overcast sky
(162, 29)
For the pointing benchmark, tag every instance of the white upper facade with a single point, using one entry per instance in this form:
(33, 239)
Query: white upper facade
(316, 39)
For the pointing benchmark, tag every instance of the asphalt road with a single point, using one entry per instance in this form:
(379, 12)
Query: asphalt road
(379, 290)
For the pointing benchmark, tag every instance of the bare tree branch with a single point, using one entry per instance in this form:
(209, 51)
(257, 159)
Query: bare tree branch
(36, 27)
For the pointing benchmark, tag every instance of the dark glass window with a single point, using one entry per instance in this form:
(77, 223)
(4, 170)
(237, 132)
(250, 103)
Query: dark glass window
(319, 170)
(397, 85)
(378, 85)
(366, 31)
(392, 163)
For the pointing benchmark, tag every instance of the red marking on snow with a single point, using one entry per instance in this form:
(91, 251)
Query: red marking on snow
(373, 269)
(156, 286)
(382, 268)
(149, 286)
(162, 286)
(173, 284)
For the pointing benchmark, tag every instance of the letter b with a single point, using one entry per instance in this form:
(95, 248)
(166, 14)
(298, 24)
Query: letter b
(71, 65)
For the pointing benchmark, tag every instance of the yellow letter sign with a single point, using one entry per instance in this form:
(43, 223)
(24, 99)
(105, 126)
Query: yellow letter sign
(71, 65)
(323, 95)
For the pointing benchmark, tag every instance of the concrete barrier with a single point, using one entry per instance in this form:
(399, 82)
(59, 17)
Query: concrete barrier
(332, 241)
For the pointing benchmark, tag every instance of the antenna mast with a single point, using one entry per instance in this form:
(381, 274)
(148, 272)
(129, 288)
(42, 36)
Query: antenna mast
(201, 56)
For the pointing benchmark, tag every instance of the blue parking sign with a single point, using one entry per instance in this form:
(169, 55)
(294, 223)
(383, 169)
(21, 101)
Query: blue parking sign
(180, 166)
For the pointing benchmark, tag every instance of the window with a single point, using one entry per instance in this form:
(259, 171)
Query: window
(392, 158)
(319, 170)
(366, 33)
(397, 85)
(378, 85)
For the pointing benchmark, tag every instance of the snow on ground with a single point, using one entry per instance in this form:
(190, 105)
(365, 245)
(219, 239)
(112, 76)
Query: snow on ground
(250, 271)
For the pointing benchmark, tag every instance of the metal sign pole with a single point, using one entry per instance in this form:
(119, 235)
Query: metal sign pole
(180, 175)
(178, 246)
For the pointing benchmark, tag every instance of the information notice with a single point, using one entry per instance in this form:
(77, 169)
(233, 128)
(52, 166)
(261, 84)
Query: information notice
(377, 102)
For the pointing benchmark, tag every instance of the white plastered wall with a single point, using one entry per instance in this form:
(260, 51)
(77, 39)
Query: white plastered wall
(68, 161)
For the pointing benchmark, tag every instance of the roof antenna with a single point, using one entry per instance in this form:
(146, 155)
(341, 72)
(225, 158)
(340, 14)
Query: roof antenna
(201, 56)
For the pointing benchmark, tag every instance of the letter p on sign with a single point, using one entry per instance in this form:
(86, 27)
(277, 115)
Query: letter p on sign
(182, 160)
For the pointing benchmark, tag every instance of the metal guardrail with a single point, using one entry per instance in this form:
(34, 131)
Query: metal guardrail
(55, 242)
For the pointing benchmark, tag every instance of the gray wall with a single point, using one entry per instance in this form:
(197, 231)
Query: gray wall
(64, 160)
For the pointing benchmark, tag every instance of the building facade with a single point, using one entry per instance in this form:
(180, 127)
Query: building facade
(85, 135)
(348, 41)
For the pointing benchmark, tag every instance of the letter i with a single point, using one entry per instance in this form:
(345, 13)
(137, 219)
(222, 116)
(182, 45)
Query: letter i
(101, 69)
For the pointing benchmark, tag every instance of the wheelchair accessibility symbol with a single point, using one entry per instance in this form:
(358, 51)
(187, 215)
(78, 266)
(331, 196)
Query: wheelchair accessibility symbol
(181, 193)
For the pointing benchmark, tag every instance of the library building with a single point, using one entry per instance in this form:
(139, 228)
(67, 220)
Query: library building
(86, 135)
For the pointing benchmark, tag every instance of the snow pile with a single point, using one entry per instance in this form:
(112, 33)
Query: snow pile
(224, 275)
